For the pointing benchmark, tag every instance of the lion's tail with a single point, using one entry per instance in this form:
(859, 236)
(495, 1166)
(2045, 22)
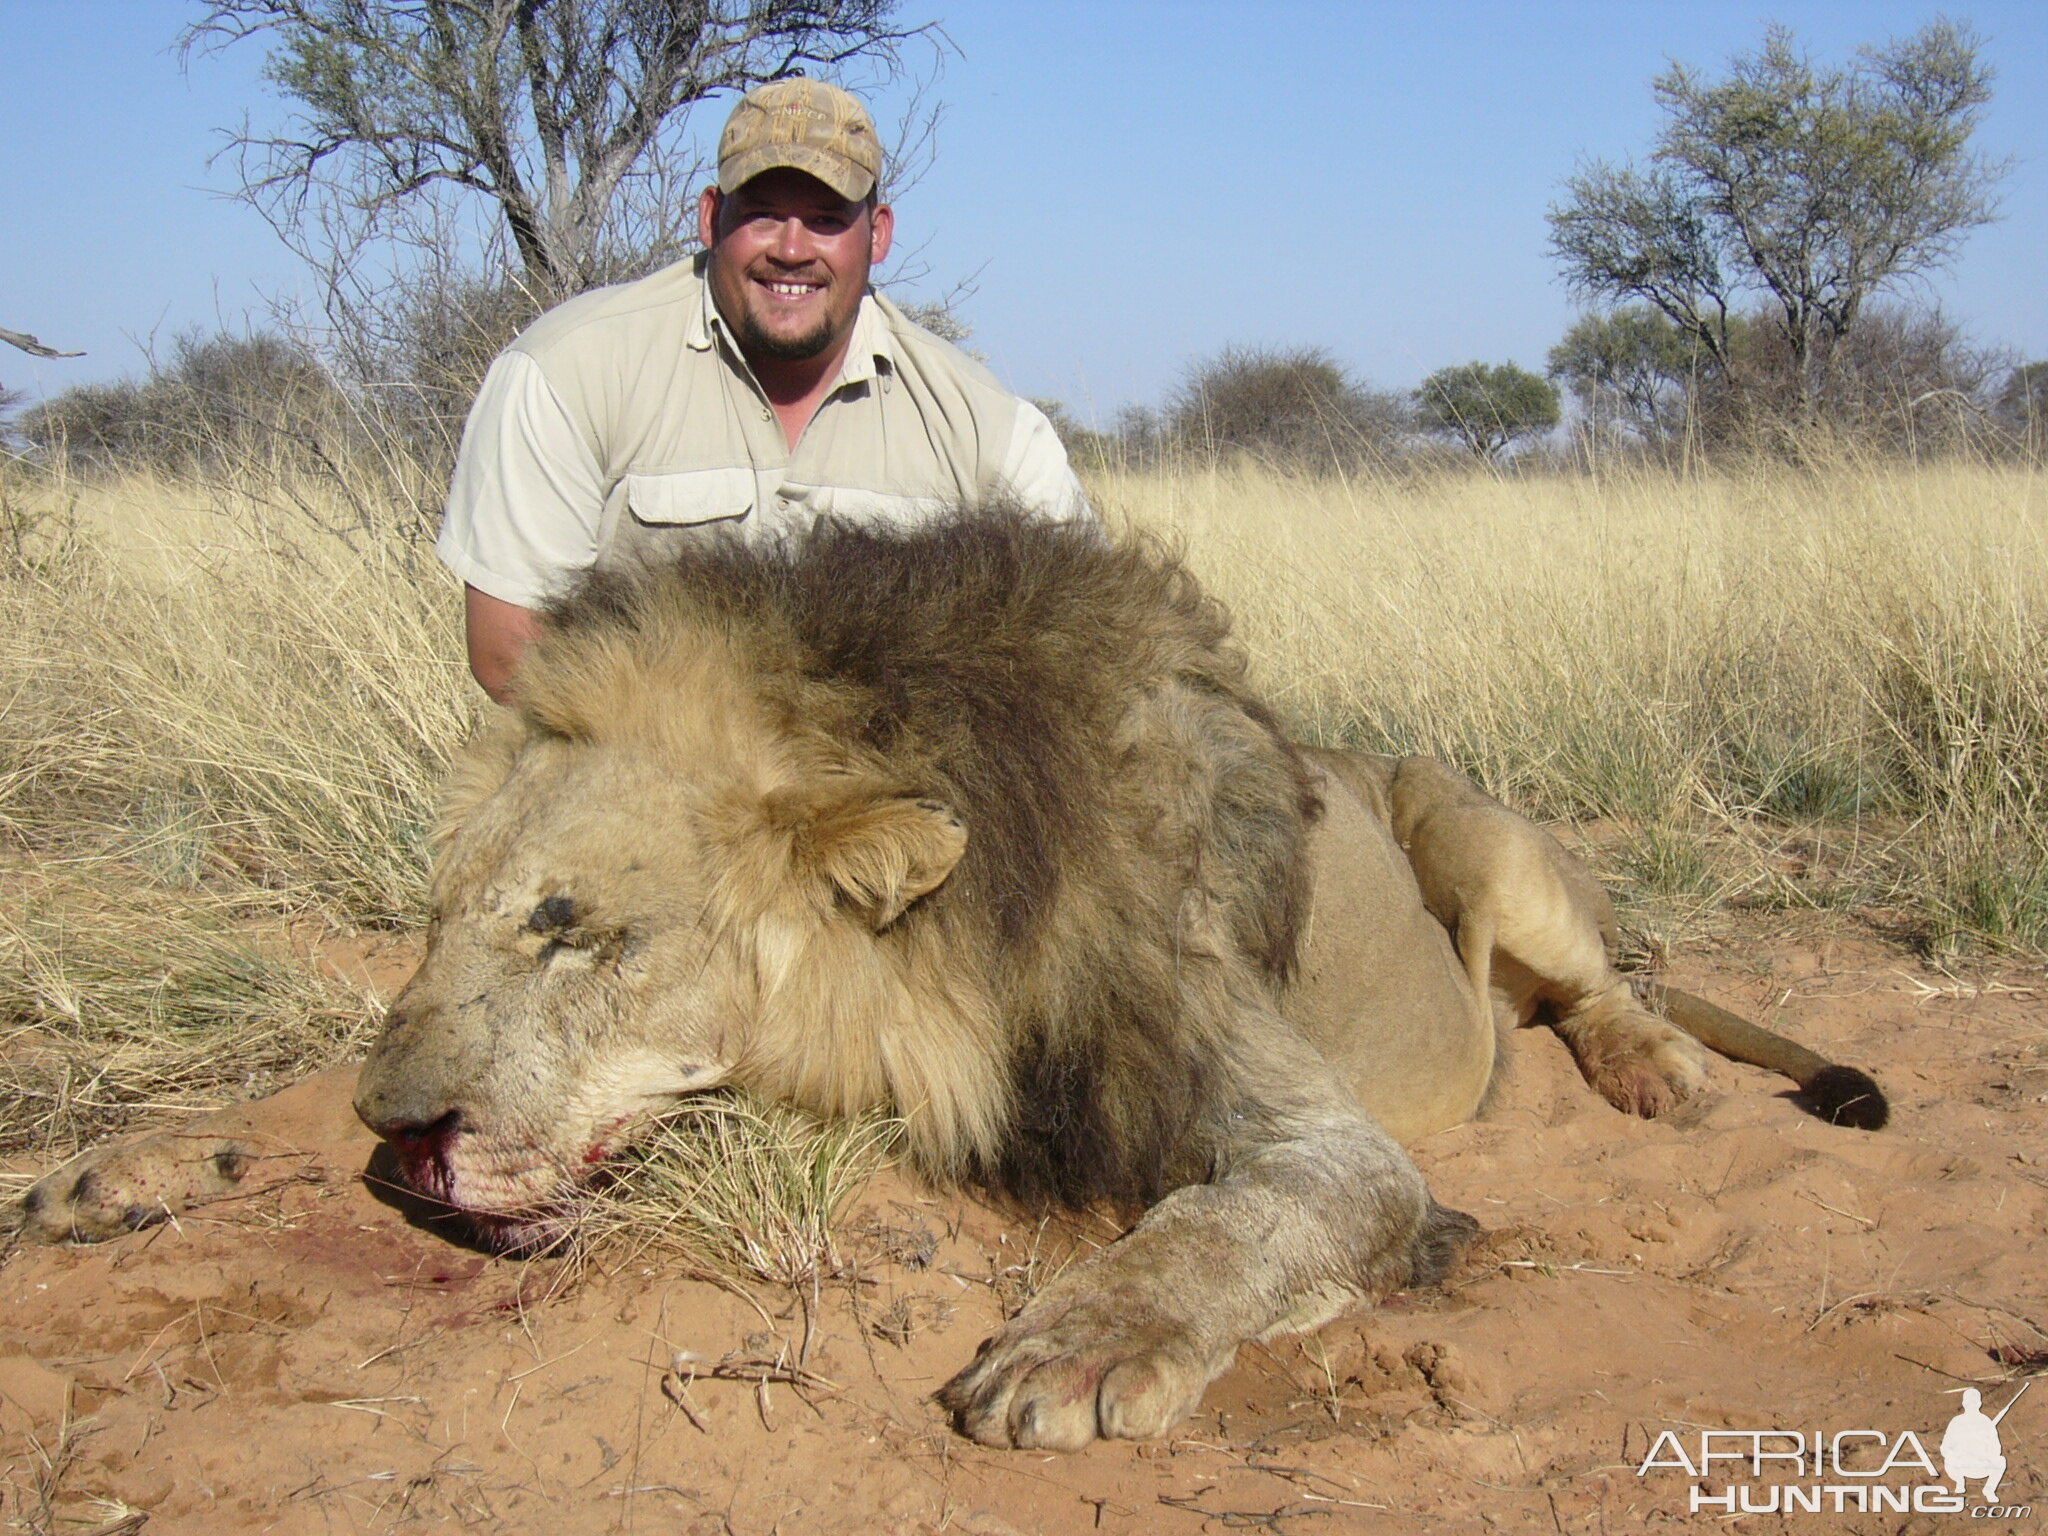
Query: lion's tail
(1843, 1095)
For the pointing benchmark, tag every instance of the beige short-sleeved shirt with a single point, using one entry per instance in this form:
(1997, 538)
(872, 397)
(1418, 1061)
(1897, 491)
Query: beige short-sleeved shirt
(626, 419)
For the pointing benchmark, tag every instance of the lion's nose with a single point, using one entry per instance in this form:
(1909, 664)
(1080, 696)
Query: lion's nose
(405, 1100)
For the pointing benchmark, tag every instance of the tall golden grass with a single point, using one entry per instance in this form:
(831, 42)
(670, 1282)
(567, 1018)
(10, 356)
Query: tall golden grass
(208, 682)
(1834, 673)
(221, 724)
(1766, 684)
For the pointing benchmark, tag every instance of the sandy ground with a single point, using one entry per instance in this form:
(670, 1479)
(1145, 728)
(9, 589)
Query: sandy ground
(305, 1359)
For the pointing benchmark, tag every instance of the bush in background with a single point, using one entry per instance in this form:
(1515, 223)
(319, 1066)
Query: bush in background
(1289, 408)
(215, 401)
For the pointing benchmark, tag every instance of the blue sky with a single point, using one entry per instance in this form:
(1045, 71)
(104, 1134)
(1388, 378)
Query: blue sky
(1131, 187)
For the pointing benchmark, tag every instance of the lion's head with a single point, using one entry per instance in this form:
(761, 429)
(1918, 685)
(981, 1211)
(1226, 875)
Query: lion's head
(633, 904)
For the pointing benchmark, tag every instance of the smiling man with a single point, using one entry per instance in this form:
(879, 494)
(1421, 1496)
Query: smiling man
(757, 386)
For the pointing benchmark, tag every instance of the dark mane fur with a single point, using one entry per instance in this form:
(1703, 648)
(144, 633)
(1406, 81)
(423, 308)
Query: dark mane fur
(999, 663)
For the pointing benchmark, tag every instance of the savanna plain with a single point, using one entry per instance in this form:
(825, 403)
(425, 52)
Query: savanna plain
(1794, 715)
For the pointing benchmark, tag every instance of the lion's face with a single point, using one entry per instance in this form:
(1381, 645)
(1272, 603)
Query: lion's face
(571, 986)
(608, 934)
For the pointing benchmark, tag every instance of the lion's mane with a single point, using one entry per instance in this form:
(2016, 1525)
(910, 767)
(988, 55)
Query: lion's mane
(1080, 705)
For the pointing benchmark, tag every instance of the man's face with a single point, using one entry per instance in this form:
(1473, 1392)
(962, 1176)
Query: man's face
(789, 262)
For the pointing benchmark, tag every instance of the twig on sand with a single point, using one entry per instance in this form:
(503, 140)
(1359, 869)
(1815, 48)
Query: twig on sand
(1243, 1519)
(1960, 990)
(676, 1388)
(1868, 1223)
(1951, 1375)
(756, 1366)
(1303, 1477)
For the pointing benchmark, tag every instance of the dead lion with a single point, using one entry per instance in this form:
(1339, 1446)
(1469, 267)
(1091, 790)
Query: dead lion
(979, 824)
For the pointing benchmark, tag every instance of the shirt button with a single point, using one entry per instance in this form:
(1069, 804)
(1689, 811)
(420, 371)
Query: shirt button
(766, 414)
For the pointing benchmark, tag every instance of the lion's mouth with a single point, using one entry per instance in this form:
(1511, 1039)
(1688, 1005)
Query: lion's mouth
(523, 1207)
(512, 1200)
(524, 1231)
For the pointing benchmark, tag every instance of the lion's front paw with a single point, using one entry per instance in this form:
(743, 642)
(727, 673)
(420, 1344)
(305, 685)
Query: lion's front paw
(130, 1185)
(1069, 1370)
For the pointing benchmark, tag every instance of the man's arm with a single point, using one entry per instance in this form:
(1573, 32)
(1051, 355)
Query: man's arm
(1038, 474)
(522, 517)
(498, 633)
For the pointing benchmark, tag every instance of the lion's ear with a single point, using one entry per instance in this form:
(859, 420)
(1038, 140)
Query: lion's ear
(882, 854)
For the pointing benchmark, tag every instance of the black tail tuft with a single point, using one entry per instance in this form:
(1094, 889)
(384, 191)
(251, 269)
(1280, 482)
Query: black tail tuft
(1444, 1234)
(1846, 1096)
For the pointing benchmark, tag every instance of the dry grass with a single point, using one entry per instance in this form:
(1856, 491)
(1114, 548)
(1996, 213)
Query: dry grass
(740, 1186)
(1836, 672)
(218, 687)
(118, 998)
(215, 714)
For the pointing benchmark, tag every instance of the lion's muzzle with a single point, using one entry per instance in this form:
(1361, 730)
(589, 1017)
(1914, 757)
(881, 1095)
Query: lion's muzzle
(447, 1156)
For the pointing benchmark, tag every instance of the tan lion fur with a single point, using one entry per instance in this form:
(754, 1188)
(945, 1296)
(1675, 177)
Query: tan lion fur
(1534, 929)
(1538, 936)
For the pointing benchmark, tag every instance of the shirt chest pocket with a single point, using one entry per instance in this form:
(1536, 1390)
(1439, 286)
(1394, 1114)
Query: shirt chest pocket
(691, 497)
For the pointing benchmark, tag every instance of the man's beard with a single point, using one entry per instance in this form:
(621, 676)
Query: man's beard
(756, 340)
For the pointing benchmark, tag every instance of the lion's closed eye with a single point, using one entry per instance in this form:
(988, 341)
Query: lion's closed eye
(558, 932)
(553, 916)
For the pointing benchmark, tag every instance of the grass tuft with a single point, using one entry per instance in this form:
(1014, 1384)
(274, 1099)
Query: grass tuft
(741, 1187)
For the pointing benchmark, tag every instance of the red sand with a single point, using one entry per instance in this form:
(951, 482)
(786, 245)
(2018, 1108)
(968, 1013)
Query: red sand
(301, 1359)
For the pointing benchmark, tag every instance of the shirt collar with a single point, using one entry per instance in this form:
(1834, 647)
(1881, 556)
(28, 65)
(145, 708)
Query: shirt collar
(871, 352)
(703, 321)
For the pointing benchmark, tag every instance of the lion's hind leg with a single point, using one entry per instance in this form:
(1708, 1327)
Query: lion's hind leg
(1475, 937)
(1551, 960)
(1506, 887)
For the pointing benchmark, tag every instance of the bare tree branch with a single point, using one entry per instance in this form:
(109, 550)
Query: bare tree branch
(33, 347)
(543, 108)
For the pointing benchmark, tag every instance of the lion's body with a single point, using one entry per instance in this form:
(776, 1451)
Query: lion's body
(981, 825)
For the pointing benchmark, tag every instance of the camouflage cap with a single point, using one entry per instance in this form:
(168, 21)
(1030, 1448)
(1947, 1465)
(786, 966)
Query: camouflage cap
(806, 125)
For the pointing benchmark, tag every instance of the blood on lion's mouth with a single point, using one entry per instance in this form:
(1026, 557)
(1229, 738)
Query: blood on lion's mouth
(515, 1228)
(519, 1205)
